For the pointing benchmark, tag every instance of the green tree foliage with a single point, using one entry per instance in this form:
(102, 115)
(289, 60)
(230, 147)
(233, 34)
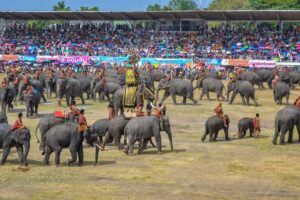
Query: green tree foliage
(85, 8)
(60, 6)
(229, 5)
(182, 5)
(275, 4)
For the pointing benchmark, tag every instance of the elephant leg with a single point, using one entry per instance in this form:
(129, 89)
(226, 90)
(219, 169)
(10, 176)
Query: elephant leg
(145, 142)
(36, 109)
(247, 100)
(173, 96)
(68, 100)
(253, 99)
(140, 149)
(20, 153)
(204, 137)
(158, 142)
(5, 153)
(184, 100)
(211, 133)
(73, 156)
(80, 154)
(117, 140)
(166, 95)
(282, 136)
(202, 94)
(82, 99)
(57, 157)
(106, 137)
(48, 152)
(290, 139)
(44, 98)
(287, 99)
(215, 136)
(234, 93)
(130, 146)
(243, 99)
(280, 100)
(26, 151)
(151, 142)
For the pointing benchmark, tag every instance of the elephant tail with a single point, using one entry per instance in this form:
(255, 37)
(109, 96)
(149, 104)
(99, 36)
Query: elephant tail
(36, 129)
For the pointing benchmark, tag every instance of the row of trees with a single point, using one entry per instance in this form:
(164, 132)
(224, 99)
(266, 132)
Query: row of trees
(61, 6)
(229, 5)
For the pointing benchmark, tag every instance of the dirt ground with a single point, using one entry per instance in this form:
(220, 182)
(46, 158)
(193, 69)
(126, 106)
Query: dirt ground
(250, 168)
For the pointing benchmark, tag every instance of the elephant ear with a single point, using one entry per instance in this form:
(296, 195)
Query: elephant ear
(20, 135)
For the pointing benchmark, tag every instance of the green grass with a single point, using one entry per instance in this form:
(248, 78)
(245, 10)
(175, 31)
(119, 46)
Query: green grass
(251, 168)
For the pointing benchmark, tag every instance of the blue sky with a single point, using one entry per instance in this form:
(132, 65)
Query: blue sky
(104, 5)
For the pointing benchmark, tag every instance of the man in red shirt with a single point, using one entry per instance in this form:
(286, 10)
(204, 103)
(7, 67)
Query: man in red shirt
(219, 112)
(18, 123)
(82, 124)
(256, 125)
(29, 89)
(111, 110)
(74, 111)
(297, 102)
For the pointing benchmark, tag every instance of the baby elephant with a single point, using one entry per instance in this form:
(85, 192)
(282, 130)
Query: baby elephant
(243, 125)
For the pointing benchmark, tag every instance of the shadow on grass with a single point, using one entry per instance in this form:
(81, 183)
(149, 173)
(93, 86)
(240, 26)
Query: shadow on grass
(153, 151)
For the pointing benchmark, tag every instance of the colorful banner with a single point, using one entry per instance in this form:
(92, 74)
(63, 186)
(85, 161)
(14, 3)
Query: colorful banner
(46, 58)
(74, 59)
(27, 58)
(10, 57)
(287, 64)
(214, 61)
(262, 63)
(110, 59)
(167, 61)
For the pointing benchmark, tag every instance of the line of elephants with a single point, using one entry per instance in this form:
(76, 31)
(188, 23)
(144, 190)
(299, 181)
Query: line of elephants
(57, 134)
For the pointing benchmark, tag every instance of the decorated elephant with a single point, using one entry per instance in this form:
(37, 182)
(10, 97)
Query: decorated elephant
(19, 138)
(281, 90)
(116, 130)
(69, 87)
(244, 88)
(266, 75)
(7, 96)
(141, 129)
(212, 127)
(32, 102)
(211, 85)
(64, 136)
(285, 121)
(177, 87)
(245, 124)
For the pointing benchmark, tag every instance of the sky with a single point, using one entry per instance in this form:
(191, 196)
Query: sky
(104, 5)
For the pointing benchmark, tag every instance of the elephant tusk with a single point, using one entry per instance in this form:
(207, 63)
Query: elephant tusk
(97, 145)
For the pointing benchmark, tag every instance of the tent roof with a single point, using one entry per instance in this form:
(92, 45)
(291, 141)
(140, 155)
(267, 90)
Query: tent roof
(209, 15)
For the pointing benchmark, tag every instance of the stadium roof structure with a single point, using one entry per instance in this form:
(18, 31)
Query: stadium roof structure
(209, 15)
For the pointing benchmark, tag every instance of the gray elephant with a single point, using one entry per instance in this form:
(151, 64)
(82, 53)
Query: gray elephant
(7, 96)
(105, 88)
(157, 75)
(85, 83)
(285, 121)
(252, 77)
(141, 129)
(51, 87)
(142, 92)
(177, 87)
(69, 87)
(32, 102)
(3, 117)
(36, 84)
(244, 88)
(294, 78)
(212, 127)
(211, 85)
(64, 136)
(245, 124)
(265, 75)
(19, 138)
(116, 130)
(281, 90)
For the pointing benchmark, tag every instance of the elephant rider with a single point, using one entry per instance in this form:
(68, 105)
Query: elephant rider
(149, 109)
(158, 112)
(297, 102)
(18, 123)
(25, 79)
(62, 74)
(37, 74)
(50, 73)
(74, 111)
(256, 125)
(73, 75)
(111, 110)
(29, 89)
(16, 81)
(219, 112)
(275, 80)
(82, 124)
(4, 83)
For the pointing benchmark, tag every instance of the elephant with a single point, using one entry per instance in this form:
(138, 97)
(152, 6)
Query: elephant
(51, 87)
(281, 90)
(285, 121)
(3, 117)
(175, 87)
(118, 97)
(69, 87)
(116, 130)
(32, 102)
(19, 138)
(243, 125)
(85, 82)
(64, 136)
(141, 129)
(7, 96)
(111, 73)
(157, 75)
(47, 122)
(145, 77)
(211, 85)
(265, 75)
(105, 88)
(212, 127)
(244, 88)
(36, 84)
(252, 77)
(294, 78)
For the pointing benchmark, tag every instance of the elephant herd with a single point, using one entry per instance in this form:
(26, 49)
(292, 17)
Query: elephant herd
(57, 133)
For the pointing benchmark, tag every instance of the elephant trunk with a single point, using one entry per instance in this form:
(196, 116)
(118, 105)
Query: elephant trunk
(26, 151)
(169, 132)
(156, 94)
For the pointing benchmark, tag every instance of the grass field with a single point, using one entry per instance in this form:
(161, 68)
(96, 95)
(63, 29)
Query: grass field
(251, 168)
